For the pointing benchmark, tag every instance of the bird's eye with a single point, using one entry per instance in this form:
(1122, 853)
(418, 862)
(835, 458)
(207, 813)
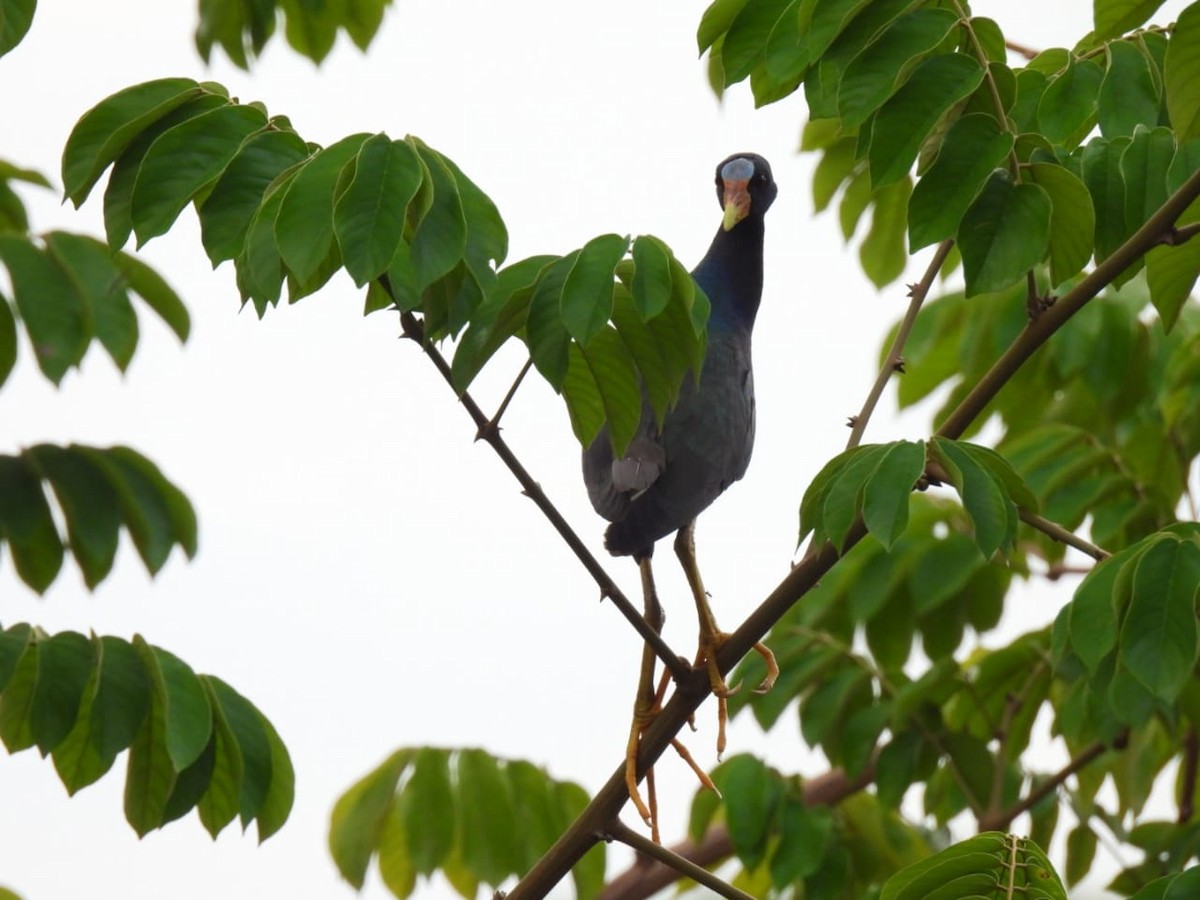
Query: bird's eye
(762, 176)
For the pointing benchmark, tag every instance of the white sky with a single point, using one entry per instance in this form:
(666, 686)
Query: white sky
(367, 575)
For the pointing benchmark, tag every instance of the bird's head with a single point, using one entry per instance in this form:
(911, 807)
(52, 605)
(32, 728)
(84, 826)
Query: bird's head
(745, 187)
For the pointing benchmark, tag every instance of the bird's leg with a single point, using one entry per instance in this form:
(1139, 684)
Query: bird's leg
(646, 704)
(712, 639)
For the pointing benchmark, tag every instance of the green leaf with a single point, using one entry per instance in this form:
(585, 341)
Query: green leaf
(15, 18)
(359, 814)
(904, 121)
(886, 494)
(220, 802)
(226, 212)
(8, 340)
(651, 276)
(1102, 175)
(150, 775)
(1181, 74)
(983, 496)
(16, 701)
(99, 281)
(427, 809)
(1159, 640)
(489, 848)
(587, 293)
(89, 504)
(1144, 165)
(187, 715)
(260, 272)
(277, 804)
(118, 195)
(605, 370)
(304, 223)
(872, 76)
(184, 160)
(250, 731)
(13, 642)
(27, 525)
(882, 254)
(545, 333)
(311, 29)
(1171, 274)
(1072, 219)
(156, 294)
(1115, 17)
(118, 709)
(64, 665)
(1004, 234)
(1128, 95)
(716, 21)
(746, 37)
(973, 147)
(751, 795)
(369, 216)
(843, 500)
(1092, 615)
(54, 312)
(441, 238)
(104, 131)
(395, 865)
(1067, 109)
(999, 859)
(1081, 851)
(804, 834)
(826, 20)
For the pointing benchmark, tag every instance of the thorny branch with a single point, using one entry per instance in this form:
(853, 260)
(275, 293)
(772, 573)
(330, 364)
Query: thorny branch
(619, 831)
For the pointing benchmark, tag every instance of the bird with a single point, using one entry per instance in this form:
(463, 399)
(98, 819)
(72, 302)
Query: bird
(668, 475)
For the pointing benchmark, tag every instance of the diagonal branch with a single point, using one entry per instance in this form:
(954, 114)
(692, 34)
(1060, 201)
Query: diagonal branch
(678, 666)
(1062, 535)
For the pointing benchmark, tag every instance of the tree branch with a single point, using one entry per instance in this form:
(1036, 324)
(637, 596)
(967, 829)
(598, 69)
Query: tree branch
(678, 666)
(1187, 791)
(1039, 331)
(1001, 820)
(647, 876)
(1060, 534)
(619, 831)
(894, 360)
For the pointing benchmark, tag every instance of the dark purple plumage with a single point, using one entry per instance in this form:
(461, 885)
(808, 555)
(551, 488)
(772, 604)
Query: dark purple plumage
(667, 479)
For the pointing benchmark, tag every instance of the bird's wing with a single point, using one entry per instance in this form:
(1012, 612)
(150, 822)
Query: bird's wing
(644, 460)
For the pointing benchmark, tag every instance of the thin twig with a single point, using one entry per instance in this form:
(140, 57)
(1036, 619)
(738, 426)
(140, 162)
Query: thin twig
(1020, 49)
(1191, 759)
(494, 423)
(1181, 235)
(1060, 534)
(1000, 821)
(1012, 706)
(895, 354)
(619, 831)
(678, 666)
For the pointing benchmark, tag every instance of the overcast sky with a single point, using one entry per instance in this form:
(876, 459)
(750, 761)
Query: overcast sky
(368, 575)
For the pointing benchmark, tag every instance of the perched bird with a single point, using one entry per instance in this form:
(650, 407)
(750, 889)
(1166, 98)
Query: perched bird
(669, 475)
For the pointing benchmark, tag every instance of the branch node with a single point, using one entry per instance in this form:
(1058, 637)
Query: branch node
(851, 421)
(898, 366)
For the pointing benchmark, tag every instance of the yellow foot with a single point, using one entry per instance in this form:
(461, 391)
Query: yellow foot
(642, 718)
(710, 646)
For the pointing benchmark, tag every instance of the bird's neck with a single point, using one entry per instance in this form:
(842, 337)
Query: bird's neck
(731, 274)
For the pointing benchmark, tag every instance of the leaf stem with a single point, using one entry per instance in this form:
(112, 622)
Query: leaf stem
(619, 831)
(678, 667)
(894, 361)
(1014, 164)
